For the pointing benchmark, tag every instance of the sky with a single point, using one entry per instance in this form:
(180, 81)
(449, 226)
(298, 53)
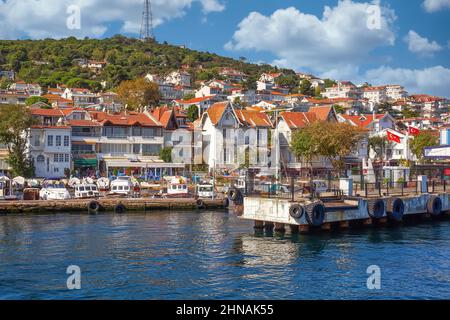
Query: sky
(403, 42)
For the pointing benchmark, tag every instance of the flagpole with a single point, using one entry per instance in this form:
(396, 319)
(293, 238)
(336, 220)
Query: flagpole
(407, 145)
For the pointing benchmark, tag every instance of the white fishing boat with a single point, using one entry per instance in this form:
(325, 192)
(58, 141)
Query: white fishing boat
(205, 191)
(123, 186)
(177, 187)
(103, 184)
(86, 190)
(33, 183)
(19, 183)
(54, 190)
(73, 182)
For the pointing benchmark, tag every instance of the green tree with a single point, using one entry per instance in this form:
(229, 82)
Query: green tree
(339, 109)
(378, 145)
(35, 99)
(421, 141)
(306, 88)
(189, 96)
(329, 83)
(410, 113)
(333, 141)
(289, 81)
(387, 107)
(138, 93)
(14, 132)
(192, 113)
(166, 154)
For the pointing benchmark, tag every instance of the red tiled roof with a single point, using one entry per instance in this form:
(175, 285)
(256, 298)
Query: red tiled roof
(322, 112)
(362, 121)
(194, 100)
(121, 119)
(216, 111)
(253, 118)
(297, 120)
(83, 123)
(46, 112)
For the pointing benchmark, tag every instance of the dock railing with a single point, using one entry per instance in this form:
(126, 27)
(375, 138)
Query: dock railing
(381, 189)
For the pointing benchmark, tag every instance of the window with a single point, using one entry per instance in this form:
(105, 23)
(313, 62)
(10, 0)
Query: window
(66, 141)
(61, 157)
(50, 141)
(40, 158)
(55, 157)
(55, 169)
(151, 149)
(58, 141)
(66, 157)
(37, 140)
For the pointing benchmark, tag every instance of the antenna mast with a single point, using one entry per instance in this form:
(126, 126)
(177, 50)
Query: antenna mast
(147, 22)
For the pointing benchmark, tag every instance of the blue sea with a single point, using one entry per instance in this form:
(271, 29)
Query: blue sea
(214, 255)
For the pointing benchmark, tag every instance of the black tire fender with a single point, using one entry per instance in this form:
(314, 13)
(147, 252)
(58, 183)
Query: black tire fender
(226, 203)
(93, 207)
(375, 208)
(315, 214)
(434, 206)
(120, 208)
(234, 194)
(395, 209)
(296, 211)
(200, 204)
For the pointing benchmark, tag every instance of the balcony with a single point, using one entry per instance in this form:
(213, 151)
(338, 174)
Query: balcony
(86, 134)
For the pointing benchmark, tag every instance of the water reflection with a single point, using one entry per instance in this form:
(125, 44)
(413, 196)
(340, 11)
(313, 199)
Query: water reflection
(200, 255)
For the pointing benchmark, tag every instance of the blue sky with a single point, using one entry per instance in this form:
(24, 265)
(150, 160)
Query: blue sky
(409, 45)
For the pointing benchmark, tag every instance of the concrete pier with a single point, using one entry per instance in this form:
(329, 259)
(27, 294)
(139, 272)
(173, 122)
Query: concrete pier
(348, 213)
(106, 205)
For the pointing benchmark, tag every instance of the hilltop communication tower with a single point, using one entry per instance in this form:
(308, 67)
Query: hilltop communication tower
(147, 22)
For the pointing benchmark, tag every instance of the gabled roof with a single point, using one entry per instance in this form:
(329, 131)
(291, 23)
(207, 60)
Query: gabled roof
(163, 115)
(322, 113)
(83, 123)
(46, 112)
(253, 118)
(122, 119)
(362, 121)
(215, 112)
(194, 100)
(297, 120)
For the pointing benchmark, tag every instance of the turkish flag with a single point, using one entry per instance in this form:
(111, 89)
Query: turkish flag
(393, 137)
(413, 131)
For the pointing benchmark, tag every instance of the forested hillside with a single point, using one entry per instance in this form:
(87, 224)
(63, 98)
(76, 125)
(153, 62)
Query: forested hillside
(50, 62)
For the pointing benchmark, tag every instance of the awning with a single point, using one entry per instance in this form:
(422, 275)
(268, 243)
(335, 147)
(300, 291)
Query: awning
(117, 163)
(82, 163)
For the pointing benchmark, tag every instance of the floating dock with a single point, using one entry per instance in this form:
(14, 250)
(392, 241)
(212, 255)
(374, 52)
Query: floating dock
(339, 212)
(118, 205)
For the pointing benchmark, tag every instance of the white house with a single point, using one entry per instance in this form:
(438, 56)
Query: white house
(179, 78)
(344, 89)
(81, 97)
(233, 137)
(49, 144)
(374, 123)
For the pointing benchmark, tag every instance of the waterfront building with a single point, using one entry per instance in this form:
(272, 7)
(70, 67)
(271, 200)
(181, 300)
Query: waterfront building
(81, 97)
(49, 144)
(287, 124)
(229, 133)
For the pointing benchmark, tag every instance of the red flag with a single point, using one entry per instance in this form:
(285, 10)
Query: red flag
(413, 131)
(393, 137)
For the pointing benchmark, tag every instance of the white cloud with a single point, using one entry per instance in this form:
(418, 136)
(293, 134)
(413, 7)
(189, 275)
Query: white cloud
(420, 45)
(436, 5)
(212, 6)
(47, 18)
(433, 80)
(341, 38)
